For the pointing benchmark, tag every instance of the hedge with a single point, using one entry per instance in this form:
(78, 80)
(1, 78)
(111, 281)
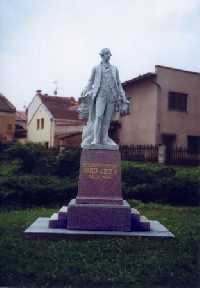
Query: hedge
(35, 190)
(33, 175)
(157, 183)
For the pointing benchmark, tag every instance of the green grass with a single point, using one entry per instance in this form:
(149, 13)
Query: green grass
(128, 262)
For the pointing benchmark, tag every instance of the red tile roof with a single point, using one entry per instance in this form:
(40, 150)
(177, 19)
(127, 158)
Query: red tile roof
(21, 116)
(61, 107)
(5, 105)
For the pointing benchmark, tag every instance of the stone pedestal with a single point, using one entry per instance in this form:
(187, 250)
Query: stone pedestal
(99, 217)
(99, 205)
(100, 177)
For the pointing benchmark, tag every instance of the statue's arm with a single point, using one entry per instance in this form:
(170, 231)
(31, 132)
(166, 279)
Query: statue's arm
(124, 102)
(122, 93)
(90, 83)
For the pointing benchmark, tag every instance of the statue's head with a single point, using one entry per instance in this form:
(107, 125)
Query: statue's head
(105, 54)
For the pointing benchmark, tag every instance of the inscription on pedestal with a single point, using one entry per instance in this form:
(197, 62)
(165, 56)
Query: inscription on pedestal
(99, 171)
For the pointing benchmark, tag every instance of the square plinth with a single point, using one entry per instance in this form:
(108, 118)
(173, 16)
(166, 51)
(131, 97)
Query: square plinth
(99, 216)
(39, 230)
(100, 177)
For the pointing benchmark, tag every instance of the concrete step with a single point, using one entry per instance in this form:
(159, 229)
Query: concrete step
(135, 211)
(135, 216)
(55, 222)
(54, 217)
(62, 214)
(63, 209)
(144, 224)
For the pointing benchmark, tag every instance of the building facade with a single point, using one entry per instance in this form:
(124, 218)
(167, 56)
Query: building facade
(20, 127)
(164, 109)
(7, 120)
(49, 118)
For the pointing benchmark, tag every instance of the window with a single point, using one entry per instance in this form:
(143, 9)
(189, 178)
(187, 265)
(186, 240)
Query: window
(38, 124)
(9, 127)
(42, 123)
(177, 101)
(193, 143)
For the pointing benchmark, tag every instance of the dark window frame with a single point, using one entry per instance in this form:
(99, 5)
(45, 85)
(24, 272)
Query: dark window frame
(38, 124)
(42, 123)
(177, 101)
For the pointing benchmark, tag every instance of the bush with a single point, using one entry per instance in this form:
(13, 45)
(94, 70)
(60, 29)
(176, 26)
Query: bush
(35, 190)
(36, 159)
(134, 173)
(29, 154)
(68, 163)
(155, 183)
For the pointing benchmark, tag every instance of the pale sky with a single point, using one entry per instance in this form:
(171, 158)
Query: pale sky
(46, 40)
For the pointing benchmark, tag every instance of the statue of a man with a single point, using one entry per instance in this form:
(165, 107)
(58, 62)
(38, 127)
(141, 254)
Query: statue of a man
(101, 98)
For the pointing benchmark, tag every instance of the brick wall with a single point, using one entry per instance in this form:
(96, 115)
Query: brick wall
(7, 126)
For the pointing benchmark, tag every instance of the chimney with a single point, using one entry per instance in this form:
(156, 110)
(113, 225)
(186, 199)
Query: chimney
(38, 92)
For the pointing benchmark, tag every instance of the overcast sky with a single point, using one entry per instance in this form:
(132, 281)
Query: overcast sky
(46, 40)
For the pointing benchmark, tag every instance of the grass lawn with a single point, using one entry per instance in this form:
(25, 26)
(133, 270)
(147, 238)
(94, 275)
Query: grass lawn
(102, 263)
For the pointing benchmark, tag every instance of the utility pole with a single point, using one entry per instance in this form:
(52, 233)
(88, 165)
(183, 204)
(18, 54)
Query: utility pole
(56, 88)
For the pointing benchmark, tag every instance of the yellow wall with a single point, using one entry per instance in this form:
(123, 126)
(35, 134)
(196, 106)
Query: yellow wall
(139, 127)
(180, 123)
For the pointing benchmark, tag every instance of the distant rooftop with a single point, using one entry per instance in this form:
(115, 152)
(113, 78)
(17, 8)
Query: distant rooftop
(177, 69)
(21, 116)
(60, 107)
(137, 79)
(151, 75)
(6, 105)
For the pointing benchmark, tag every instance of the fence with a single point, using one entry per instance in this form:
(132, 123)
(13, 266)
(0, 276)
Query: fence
(183, 156)
(179, 155)
(139, 153)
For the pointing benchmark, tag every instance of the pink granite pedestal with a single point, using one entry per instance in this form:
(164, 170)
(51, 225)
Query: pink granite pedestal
(99, 205)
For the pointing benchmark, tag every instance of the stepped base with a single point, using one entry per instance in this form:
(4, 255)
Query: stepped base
(99, 217)
(40, 230)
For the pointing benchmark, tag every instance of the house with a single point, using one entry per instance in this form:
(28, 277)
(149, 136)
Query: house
(7, 119)
(164, 109)
(20, 127)
(52, 119)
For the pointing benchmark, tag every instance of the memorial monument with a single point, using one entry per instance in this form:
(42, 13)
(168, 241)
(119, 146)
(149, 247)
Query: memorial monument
(99, 206)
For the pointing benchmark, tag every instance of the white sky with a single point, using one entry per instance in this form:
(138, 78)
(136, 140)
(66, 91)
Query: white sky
(46, 40)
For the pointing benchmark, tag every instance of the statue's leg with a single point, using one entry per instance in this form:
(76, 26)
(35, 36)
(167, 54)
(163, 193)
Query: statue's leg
(100, 108)
(106, 121)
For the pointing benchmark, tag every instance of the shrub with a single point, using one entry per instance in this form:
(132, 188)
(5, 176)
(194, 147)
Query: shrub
(134, 173)
(68, 163)
(34, 158)
(169, 191)
(35, 190)
(28, 154)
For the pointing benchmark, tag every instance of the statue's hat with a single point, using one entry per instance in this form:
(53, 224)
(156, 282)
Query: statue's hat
(105, 51)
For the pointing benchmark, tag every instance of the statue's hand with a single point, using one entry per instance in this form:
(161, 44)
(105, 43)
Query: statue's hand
(86, 94)
(124, 107)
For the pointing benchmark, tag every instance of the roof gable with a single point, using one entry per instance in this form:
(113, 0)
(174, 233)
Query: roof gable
(61, 107)
(6, 105)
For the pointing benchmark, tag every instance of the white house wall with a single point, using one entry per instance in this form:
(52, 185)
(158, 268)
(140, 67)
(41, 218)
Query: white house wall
(41, 135)
(33, 106)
